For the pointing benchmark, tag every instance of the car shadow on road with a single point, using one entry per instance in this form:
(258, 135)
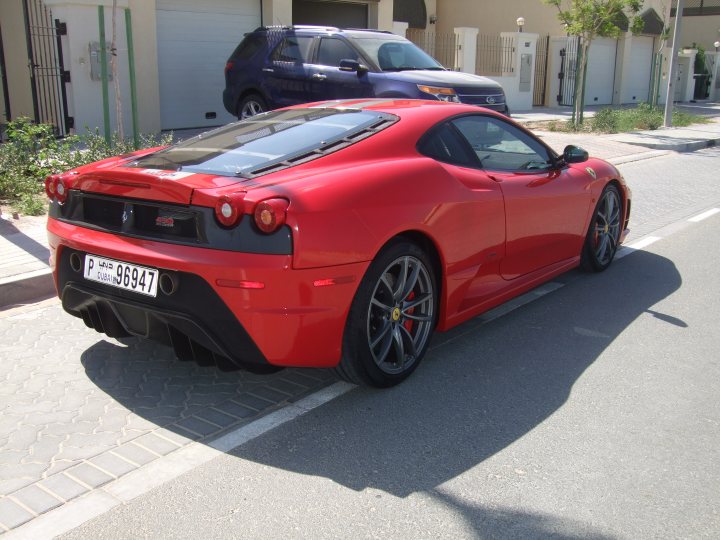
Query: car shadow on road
(481, 388)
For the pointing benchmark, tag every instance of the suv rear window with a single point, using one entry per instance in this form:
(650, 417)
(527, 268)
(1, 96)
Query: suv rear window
(248, 47)
(267, 142)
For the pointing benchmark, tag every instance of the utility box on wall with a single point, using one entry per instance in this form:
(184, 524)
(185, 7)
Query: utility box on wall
(95, 65)
(526, 67)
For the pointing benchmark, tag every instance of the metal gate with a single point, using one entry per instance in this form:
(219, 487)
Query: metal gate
(568, 71)
(47, 70)
(541, 63)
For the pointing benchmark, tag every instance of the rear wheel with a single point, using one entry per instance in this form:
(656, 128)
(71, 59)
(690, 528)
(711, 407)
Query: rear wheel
(251, 105)
(391, 319)
(603, 235)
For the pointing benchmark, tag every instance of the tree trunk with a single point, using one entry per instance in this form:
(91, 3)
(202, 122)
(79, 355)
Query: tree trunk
(579, 98)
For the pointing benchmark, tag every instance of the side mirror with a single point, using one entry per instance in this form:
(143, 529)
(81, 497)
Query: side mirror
(353, 65)
(574, 154)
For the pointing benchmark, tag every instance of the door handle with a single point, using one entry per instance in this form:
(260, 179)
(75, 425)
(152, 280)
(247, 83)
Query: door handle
(319, 76)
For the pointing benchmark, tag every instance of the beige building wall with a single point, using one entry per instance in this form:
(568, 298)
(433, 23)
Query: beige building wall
(144, 29)
(703, 30)
(493, 16)
(12, 22)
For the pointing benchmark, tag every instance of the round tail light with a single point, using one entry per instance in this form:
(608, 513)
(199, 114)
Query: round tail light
(270, 214)
(56, 188)
(228, 209)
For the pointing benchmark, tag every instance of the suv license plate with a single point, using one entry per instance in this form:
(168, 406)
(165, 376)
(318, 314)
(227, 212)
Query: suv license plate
(122, 275)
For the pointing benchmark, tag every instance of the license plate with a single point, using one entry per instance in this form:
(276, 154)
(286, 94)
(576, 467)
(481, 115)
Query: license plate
(122, 275)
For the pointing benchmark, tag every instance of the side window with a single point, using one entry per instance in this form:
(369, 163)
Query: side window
(500, 146)
(332, 50)
(293, 49)
(444, 144)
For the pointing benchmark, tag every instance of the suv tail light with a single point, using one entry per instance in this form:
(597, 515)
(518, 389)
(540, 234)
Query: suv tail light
(228, 67)
(229, 209)
(270, 214)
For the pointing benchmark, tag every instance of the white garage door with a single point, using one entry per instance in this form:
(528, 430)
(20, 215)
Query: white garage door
(638, 75)
(601, 72)
(195, 40)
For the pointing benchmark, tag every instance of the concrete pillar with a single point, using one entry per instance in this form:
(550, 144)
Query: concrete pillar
(399, 28)
(714, 59)
(466, 49)
(519, 84)
(277, 12)
(380, 15)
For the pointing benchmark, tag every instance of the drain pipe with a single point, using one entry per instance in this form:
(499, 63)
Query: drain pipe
(104, 74)
(133, 87)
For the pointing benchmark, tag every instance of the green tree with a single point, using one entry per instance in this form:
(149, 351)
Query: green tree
(589, 19)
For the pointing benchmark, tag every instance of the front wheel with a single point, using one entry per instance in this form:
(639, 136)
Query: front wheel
(391, 319)
(251, 105)
(603, 237)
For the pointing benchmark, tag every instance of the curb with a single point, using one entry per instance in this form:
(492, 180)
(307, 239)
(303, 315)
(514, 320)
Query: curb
(26, 288)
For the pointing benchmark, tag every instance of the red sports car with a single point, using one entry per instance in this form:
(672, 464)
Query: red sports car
(338, 234)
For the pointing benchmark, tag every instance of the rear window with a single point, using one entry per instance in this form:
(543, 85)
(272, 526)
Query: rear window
(248, 47)
(268, 142)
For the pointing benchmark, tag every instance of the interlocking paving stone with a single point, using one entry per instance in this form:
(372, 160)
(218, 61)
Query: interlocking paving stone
(135, 454)
(63, 486)
(253, 402)
(156, 444)
(269, 394)
(198, 426)
(236, 409)
(113, 464)
(216, 417)
(36, 499)
(92, 476)
(12, 514)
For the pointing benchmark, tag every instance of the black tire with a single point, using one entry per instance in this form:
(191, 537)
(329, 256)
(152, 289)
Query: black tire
(251, 105)
(603, 236)
(391, 319)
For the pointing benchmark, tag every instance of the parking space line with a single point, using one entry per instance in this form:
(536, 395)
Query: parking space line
(704, 215)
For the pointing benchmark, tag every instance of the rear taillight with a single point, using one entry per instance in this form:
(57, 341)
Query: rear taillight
(270, 214)
(228, 67)
(229, 209)
(56, 188)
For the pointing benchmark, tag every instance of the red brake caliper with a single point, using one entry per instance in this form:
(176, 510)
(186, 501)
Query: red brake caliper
(409, 323)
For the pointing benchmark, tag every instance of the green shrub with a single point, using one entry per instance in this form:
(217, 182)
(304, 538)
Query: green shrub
(605, 121)
(32, 152)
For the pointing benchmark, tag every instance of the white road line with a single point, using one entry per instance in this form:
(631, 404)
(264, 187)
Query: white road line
(704, 215)
(636, 246)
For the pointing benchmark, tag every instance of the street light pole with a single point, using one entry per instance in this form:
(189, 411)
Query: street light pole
(673, 64)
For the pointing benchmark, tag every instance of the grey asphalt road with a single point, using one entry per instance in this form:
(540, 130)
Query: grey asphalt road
(590, 412)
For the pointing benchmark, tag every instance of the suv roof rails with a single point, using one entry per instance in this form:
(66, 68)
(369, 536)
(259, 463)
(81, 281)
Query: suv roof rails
(317, 27)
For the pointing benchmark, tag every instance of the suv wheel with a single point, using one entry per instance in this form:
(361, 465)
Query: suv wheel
(251, 105)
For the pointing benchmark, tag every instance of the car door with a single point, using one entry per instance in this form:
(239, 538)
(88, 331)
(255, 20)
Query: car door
(285, 77)
(328, 81)
(546, 207)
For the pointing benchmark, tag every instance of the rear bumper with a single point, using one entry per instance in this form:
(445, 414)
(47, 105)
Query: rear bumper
(289, 321)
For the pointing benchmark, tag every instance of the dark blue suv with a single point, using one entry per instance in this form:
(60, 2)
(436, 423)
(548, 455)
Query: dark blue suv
(280, 66)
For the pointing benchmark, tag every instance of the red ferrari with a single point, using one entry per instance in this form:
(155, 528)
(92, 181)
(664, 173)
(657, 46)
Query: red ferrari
(339, 234)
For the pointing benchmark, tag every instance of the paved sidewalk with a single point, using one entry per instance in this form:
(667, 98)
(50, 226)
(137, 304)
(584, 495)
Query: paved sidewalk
(25, 275)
